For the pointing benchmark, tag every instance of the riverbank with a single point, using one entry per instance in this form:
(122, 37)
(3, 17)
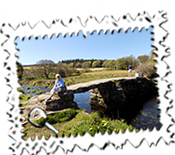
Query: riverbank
(81, 123)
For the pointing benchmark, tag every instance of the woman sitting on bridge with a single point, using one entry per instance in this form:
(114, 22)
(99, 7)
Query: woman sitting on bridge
(58, 87)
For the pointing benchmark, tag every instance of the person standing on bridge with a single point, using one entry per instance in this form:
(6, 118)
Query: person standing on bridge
(58, 87)
(130, 68)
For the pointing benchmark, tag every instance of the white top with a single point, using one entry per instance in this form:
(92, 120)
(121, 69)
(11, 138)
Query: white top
(136, 74)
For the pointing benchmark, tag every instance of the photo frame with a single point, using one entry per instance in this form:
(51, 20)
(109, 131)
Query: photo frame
(125, 22)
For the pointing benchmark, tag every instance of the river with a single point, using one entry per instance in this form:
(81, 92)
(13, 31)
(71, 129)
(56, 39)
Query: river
(147, 118)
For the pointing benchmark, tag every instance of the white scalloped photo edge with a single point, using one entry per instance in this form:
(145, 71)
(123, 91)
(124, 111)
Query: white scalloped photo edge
(18, 145)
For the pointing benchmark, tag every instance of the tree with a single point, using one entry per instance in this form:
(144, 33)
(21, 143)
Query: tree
(152, 56)
(78, 65)
(121, 63)
(71, 65)
(104, 63)
(142, 58)
(96, 63)
(45, 67)
(19, 70)
(86, 64)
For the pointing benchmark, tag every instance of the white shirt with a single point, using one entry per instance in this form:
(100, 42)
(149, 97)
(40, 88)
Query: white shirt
(136, 74)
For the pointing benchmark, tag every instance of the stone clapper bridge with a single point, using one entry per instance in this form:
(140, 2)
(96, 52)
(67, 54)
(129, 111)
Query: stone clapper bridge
(114, 96)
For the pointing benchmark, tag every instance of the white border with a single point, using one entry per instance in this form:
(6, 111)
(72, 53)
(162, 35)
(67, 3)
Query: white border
(74, 27)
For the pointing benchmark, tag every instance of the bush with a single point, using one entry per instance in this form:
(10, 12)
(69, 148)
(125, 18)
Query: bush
(69, 82)
(147, 69)
(62, 72)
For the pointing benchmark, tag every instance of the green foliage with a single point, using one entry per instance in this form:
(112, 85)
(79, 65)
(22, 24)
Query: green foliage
(40, 121)
(45, 67)
(143, 58)
(75, 122)
(19, 70)
(147, 69)
(33, 91)
(86, 64)
(96, 64)
(78, 65)
(20, 89)
(30, 87)
(24, 105)
(23, 97)
(69, 82)
(62, 72)
(110, 64)
(39, 92)
(121, 63)
(39, 81)
(59, 117)
(71, 65)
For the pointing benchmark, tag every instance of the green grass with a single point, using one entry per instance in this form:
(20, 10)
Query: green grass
(106, 72)
(85, 77)
(76, 122)
(30, 87)
(24, 105)
(23, 97)
(20, 89)
(39, 92)
(33, 91)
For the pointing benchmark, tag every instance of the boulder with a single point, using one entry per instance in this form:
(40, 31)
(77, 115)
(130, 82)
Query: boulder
(63, 101)
(67, 96)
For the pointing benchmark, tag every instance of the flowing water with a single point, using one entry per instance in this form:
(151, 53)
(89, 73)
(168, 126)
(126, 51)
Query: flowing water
(147, 118)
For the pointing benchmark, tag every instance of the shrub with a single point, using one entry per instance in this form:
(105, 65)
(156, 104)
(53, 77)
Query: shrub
(69, 82)
(147, 69)
(62, 72)
(20, 89)
(39, 92)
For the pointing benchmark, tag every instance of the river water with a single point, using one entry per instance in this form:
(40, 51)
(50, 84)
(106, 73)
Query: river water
(147, 118)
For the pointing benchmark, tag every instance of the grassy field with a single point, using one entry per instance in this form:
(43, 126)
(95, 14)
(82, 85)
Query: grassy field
(106, 72)
(76, 122)
(83, 77)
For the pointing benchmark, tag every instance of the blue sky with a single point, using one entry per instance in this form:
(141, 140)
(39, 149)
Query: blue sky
(109, 46)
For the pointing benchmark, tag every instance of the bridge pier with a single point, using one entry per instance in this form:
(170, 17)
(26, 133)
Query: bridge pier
(121, 98)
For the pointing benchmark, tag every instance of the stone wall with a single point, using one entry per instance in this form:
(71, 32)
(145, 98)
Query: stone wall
(122, 98)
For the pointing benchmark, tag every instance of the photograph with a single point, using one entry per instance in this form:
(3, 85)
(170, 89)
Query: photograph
(87, 77)
(94, 83)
